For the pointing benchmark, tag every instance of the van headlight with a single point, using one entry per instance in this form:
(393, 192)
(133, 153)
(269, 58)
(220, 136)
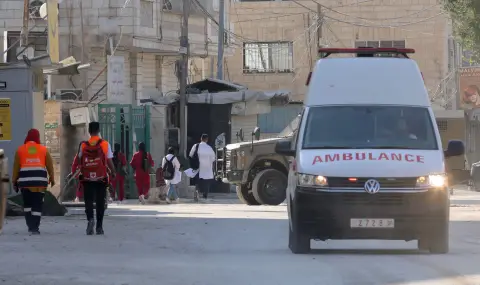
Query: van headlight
(432, 180)
(308, 180)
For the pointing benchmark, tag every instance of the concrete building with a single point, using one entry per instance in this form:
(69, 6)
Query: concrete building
(277, 40)
(145, 32)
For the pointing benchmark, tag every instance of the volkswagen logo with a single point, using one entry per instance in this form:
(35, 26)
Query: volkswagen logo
(372, 186)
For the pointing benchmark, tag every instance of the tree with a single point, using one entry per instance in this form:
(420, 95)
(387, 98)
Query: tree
(466, 22)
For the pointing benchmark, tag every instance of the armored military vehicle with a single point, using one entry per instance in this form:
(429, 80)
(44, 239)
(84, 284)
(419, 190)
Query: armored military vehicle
(260, 175)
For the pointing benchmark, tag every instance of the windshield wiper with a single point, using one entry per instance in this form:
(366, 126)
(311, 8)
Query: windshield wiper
(330, 147)
(391, 147)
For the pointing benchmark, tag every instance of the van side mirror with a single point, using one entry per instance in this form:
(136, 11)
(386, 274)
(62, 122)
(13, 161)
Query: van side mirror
(256, 133)
(240, 135)
(284, 147)
(454, 148)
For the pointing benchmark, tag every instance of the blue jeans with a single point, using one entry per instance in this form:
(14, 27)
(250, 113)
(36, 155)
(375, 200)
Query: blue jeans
(172, 192)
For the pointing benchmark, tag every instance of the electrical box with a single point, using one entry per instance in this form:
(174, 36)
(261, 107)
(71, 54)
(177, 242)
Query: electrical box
(79, 116)
(21, 107)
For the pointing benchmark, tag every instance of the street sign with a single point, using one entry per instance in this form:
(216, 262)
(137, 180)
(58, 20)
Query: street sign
(52, 19)
(115, 80)
(5, 119)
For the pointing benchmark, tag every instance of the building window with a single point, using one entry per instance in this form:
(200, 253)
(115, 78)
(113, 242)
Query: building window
(442, 125)
(146, 13)
(380, 44)
(36, 40)
(268, 57)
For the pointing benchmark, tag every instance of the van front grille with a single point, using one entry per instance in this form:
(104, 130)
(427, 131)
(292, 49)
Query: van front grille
(348, 182)
(368, 199)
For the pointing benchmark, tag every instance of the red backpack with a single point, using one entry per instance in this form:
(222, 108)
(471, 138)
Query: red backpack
(93, 162)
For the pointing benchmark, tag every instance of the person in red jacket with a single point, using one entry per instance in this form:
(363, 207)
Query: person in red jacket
(142, 162)
(75, 167)
(120, 162)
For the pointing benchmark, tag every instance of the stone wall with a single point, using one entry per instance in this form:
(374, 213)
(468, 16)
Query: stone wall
(62, 140)
(52, 120)
(419, 22)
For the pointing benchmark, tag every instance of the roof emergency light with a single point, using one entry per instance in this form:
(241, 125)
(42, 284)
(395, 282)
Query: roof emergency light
(365, 51)
(362, 52)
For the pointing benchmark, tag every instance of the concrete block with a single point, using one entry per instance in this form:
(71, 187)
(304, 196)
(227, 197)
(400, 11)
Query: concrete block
(11, 5)
(107, 12)
(100, 4)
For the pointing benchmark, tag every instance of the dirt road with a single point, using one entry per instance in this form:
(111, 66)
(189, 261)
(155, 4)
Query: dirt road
(226, 243)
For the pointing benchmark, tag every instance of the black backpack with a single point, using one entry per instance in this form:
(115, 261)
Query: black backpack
(194, 160)
(168, 169)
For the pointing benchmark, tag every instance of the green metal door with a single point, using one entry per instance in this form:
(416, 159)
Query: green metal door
(128, 126)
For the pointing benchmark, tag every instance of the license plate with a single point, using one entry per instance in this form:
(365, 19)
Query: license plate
(372, 223)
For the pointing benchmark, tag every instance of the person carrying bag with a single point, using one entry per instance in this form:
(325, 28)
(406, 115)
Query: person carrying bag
(171, 174)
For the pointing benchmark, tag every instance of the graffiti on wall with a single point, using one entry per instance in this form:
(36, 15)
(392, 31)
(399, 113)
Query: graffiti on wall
(52, 138)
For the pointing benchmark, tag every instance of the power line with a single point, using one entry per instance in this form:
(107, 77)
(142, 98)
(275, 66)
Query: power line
(266, 18)
(379, 19)
(385, 26)
(375, 26)
(106, 65)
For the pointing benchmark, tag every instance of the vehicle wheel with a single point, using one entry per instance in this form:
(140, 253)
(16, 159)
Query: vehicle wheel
(423, 244)
(298, 242)
(270, 187)
(436, 241)
(439, 239)
(246, 196)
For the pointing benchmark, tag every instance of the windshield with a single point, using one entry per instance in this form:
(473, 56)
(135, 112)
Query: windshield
(389, 127)
(291, 128)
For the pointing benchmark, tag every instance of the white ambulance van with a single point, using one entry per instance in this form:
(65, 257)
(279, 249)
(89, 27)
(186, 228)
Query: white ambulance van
(367, 160)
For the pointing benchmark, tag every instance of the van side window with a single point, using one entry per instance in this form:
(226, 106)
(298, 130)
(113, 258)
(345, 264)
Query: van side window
(295, 133)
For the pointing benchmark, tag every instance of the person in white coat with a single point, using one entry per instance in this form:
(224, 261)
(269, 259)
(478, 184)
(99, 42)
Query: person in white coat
(206, 158)
(177, 178)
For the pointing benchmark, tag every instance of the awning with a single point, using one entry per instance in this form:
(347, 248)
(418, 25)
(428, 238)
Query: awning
(215, 91)
(223, 97)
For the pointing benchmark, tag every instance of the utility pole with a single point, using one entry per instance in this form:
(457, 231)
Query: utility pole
(82, 55)
(26, 17)
(320, 25)
(221, 38)
(184, 51)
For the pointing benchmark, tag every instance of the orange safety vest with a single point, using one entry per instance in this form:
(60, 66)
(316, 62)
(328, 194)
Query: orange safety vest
(33, 170)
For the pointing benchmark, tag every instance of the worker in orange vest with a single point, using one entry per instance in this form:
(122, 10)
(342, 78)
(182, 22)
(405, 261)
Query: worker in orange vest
(32, 172)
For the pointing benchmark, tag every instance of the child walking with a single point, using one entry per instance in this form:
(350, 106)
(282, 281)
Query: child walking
(171, 174)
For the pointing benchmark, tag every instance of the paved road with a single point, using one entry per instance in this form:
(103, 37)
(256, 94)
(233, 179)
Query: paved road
(226, 243)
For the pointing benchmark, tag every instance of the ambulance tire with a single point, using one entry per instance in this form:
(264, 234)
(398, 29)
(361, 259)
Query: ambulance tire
(437, 240)
(246, 196)
(276, 194)
(298, 242)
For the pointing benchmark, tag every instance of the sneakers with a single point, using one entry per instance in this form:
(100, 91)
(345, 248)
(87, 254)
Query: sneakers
(99, 231)
(90, 227)
(34, 232)
(142, 199)
(195, 196)
(168, 200)
(77, 200)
